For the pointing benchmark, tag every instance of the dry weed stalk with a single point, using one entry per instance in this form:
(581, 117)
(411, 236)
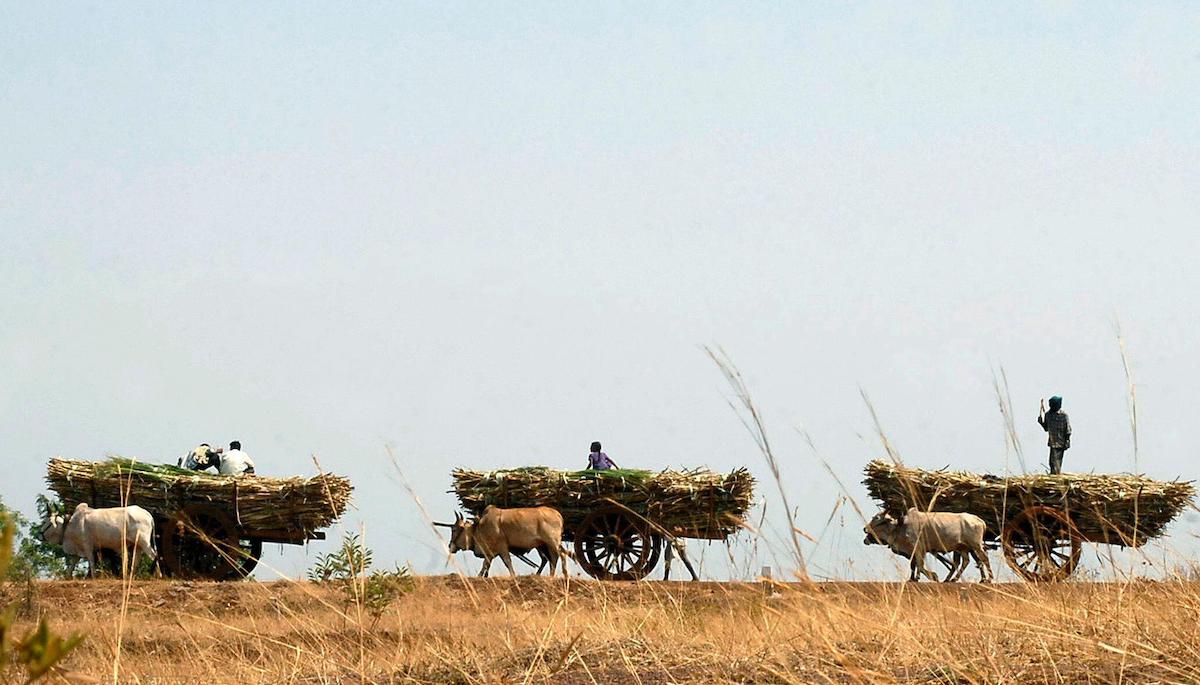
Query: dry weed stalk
(1131, 389)
(754, 425)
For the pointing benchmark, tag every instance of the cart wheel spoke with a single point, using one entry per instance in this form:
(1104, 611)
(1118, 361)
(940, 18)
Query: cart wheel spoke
(614, 561)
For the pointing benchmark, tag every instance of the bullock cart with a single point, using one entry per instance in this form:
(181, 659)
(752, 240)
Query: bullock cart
(618, 520)
(1039, 521)
(205, 525)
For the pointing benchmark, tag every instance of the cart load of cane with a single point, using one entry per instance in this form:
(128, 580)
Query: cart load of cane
(1119, 509)
(255, 502)
(696, 503)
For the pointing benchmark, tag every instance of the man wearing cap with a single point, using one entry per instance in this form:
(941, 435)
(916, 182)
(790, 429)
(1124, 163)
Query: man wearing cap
(1058, 429)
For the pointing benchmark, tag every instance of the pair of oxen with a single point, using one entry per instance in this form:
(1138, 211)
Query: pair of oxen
(918, 533)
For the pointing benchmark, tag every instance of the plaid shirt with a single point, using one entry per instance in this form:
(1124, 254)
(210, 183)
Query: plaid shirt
(1058, 426)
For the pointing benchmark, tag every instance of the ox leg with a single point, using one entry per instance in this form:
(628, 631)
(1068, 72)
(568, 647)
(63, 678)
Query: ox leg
(687, 563)
(957, 567)
(981, 559)
(667, 555)
(966, 561)
(951, 566)
(91, 558)
(563, 555)
(918, 566)
(72, 562)
(487, 564)
(544, 555)
(507, 559)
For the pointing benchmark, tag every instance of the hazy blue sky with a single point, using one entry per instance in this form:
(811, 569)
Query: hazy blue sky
(488, 235)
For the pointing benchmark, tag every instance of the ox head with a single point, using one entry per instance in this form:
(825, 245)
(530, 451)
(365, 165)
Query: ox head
(54, 524)
(880, 529)
(462, 533)
(53, 529)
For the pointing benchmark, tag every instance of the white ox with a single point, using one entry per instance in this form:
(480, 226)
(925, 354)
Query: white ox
(900, 547)
(920, 533)
(125, 530)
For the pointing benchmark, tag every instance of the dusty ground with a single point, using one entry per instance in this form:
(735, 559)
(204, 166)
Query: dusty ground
(534, 630)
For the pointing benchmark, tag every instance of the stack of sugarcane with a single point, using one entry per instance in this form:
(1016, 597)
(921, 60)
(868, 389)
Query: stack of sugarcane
(304, 504)
(695, 504)
(1116, 509)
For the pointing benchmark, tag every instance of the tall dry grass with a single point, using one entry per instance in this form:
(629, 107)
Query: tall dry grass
(535, 630)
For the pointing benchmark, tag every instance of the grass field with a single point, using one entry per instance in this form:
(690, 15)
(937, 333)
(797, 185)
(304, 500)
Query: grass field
(534, 630)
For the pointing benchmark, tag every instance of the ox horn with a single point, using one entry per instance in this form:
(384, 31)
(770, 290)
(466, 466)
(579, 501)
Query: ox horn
(458, 518)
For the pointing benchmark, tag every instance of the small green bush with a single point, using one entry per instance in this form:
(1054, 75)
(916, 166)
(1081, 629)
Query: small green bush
(347, 567)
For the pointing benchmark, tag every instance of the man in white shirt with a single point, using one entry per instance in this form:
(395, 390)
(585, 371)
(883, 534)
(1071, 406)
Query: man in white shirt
(235, 462)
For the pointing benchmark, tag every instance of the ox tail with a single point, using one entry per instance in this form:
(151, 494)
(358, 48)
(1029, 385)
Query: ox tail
(154, 549)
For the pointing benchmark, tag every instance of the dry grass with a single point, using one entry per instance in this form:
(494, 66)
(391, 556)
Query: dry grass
(537, 631)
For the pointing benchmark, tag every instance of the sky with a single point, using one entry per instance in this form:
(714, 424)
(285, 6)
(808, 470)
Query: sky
(484, 236)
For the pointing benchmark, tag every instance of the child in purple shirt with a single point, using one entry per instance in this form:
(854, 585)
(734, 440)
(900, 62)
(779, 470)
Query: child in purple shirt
(599, 460)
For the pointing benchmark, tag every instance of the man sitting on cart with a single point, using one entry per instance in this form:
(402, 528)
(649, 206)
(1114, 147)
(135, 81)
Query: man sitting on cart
(235, 462)
(1058, 429)
(201, 458)
(599, 461)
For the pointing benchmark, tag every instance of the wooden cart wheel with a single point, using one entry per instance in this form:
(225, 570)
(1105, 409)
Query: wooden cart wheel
(656, 548)
(611, 545)
(203, 542)
(1041, 544)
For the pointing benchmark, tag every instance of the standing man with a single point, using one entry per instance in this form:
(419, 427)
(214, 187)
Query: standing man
(1058, 427)
(236, 462)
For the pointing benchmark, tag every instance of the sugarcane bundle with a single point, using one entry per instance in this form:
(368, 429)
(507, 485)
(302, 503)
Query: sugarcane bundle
(698, 503)
(258, 502)
(1120, 509)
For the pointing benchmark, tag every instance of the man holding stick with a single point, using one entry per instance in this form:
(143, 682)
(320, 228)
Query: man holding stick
(1058, 429)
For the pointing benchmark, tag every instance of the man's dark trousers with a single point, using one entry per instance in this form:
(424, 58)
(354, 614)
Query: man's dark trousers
(1056, 457)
